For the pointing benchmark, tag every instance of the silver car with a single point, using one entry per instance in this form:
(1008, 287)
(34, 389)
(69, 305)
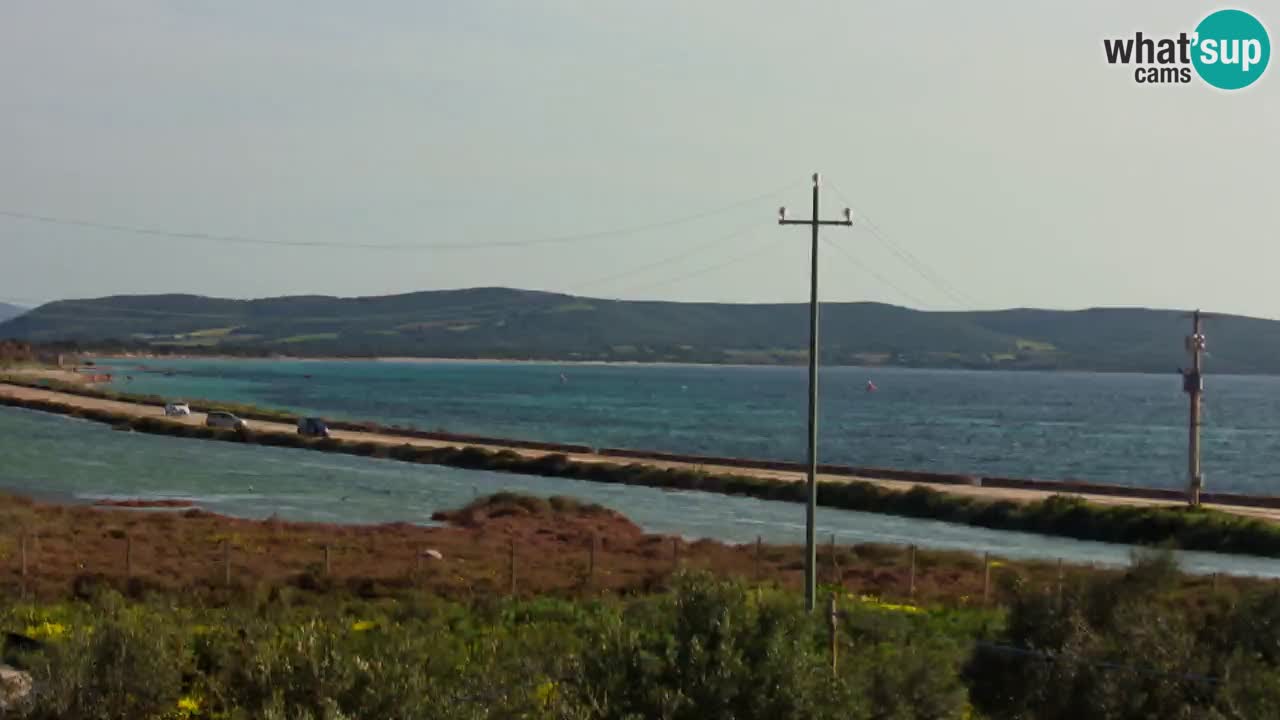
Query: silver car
(219, 419)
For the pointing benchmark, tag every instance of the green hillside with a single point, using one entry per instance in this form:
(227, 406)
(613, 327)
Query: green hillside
(505, 323)
(8, 311)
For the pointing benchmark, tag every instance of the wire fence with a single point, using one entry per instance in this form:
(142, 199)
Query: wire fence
(190, 552)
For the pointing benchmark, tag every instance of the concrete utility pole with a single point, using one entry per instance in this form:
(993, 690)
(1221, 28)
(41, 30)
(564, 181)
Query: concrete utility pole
(1193, 385)
(810, 540)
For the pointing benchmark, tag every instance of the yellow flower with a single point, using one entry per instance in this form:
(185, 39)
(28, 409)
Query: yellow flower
(363, 625)
(188, 706)
(872, 601)
(49, 630)
(544, 694)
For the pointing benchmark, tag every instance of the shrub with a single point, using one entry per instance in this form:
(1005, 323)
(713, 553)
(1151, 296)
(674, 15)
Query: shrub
(122, 667)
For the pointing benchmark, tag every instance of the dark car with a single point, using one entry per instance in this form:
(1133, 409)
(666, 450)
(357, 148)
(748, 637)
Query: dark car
(313, 427)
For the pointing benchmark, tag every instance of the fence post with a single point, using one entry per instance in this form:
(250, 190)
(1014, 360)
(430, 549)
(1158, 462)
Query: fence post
(1060, 578)
(226, 563)
(759, 572)
(328, 565)
(128, 556)
(835, 570)
(22, 543)
(831, 629)
(512, 567)
(986, 579)
(911, 590)
(1215, 582)
(590, 564)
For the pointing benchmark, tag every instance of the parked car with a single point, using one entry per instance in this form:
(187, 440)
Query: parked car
(221, 419)
(313, 427)
(177, 409)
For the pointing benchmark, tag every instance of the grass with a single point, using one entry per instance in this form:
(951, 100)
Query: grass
(1062, 515)
(213, 332)
(313, 337)
(1034, 345)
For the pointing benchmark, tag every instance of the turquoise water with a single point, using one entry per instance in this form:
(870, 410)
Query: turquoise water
(1117, 428)
(63, 457)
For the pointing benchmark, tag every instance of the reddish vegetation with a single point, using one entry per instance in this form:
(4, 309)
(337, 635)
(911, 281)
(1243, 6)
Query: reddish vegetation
(145, 503)
(68, 548)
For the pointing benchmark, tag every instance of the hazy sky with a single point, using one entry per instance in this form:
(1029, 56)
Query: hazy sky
(990, 139)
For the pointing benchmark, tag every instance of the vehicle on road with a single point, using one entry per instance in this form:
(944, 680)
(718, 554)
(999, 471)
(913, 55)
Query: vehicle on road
(177, 409)
(313, 427)
(221, 419)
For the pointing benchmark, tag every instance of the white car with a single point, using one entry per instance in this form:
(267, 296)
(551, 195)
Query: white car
(177, 409)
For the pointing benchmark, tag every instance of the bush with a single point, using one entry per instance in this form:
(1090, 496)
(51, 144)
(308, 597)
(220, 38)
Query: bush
(1120, 647)
(122, 667)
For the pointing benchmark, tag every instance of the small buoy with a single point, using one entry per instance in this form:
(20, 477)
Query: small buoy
(871, 387)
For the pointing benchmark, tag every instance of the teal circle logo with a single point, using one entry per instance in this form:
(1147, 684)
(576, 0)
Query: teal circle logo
(1231, 49)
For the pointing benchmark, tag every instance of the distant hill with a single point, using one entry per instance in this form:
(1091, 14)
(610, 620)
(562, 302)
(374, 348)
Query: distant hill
(10, 311)
(505, 323)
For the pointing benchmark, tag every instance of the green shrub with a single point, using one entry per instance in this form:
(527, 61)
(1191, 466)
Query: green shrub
(1120, 647)
(123, 666)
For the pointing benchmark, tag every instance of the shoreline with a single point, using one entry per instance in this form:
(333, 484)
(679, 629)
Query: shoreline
(413, 360)
(173, 551)
(1057, 512)
(963, 484)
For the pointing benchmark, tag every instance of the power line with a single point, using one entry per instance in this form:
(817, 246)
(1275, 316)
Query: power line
(668, 260)
(873, 273)
(910, 259)
(1053, 657)
(244, 240)
(756, 250)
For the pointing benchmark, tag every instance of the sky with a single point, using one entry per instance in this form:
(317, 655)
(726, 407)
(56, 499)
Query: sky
(991, 155)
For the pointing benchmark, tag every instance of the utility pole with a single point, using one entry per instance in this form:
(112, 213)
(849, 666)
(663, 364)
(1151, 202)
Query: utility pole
(810, 538)
(1193, 386)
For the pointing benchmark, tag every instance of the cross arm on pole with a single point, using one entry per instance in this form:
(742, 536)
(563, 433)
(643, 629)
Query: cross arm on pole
(846, 221)
(811, 560)
(820, 222)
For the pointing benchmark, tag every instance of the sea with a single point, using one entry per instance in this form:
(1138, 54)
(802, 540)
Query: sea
(64, 459)
(1106, 428)
(1111, 428)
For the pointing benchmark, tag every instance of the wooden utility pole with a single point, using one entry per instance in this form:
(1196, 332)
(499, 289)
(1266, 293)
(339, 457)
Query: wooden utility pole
(1193, 386)
(811, 545)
